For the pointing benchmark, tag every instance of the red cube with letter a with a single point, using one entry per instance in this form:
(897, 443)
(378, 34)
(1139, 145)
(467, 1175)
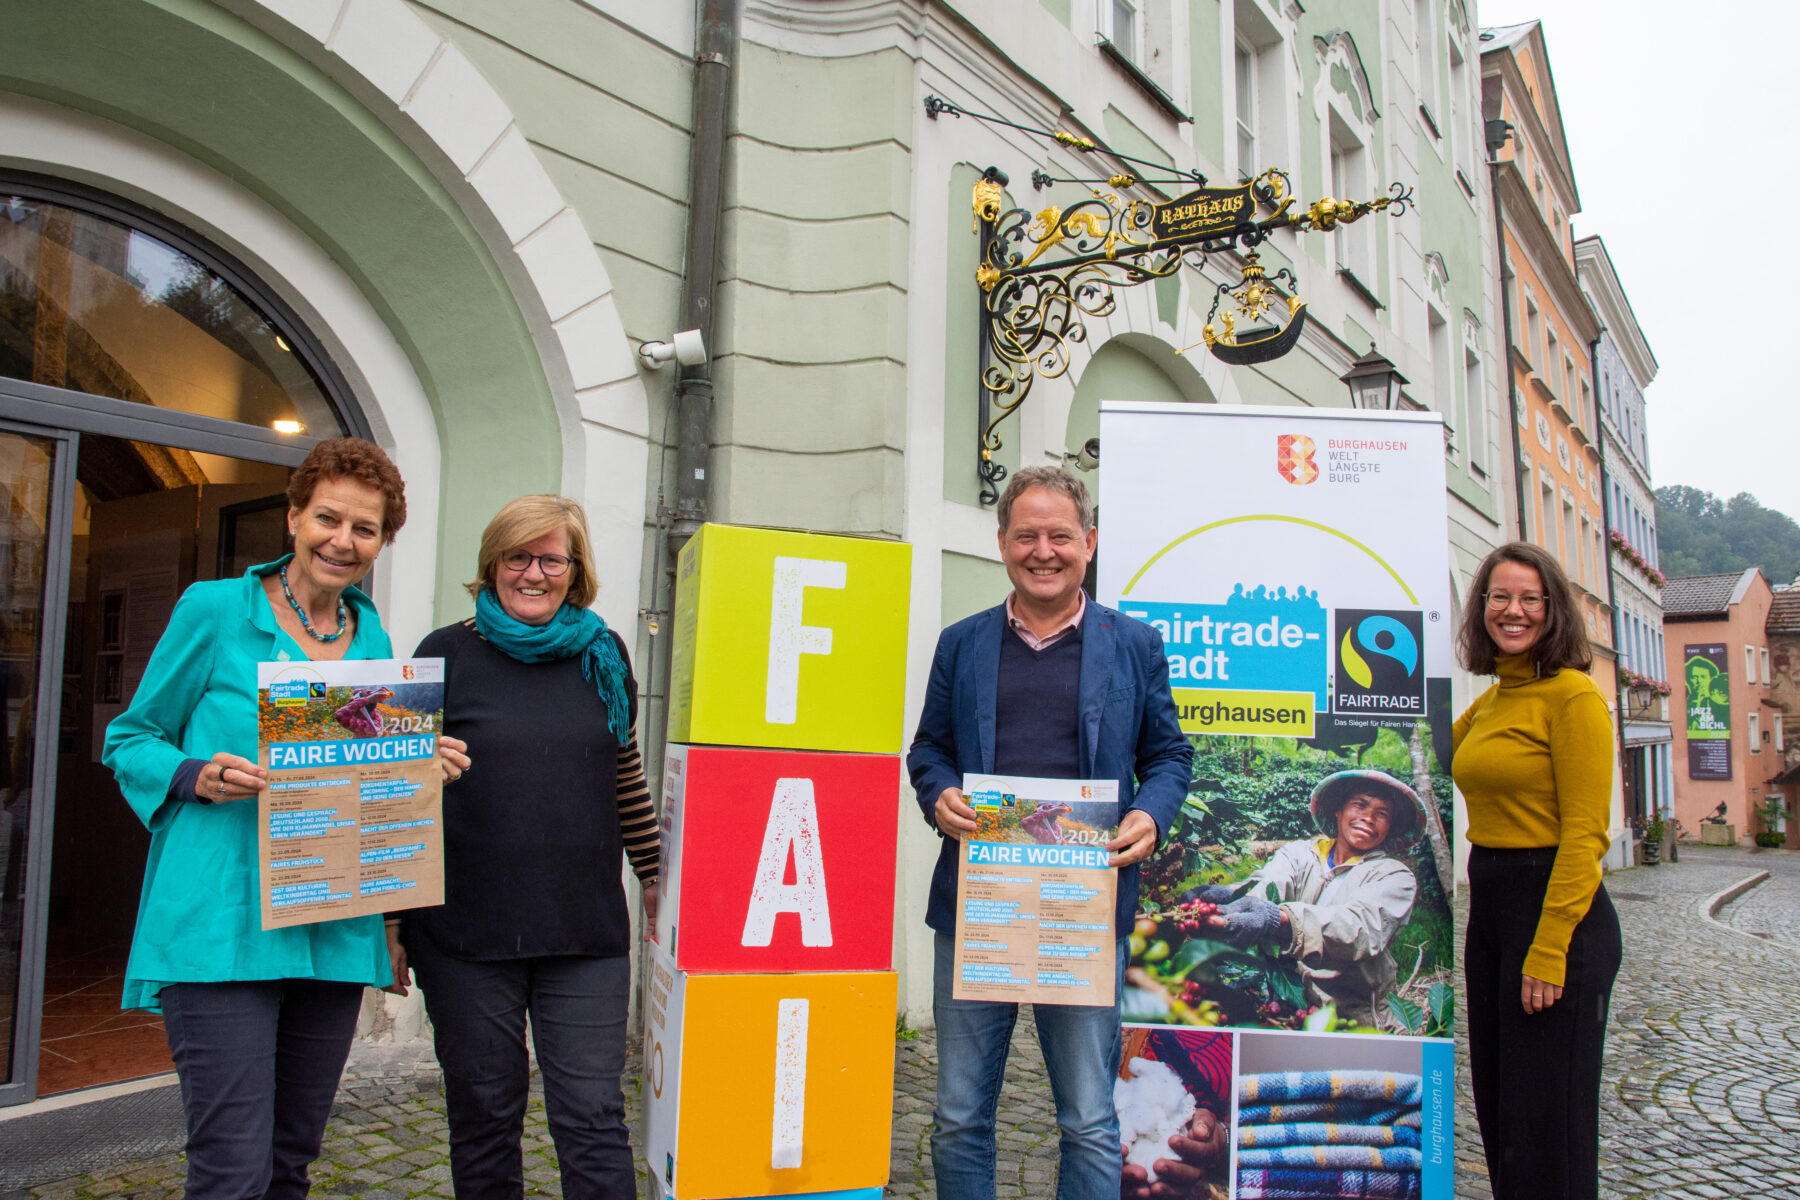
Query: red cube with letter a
(778, 860)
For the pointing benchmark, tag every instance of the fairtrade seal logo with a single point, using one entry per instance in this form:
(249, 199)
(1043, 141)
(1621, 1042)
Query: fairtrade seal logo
(1378, 664)
(1294, 458)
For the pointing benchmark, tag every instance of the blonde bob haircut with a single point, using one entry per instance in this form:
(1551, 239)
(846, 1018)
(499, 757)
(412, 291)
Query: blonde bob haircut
(527, 519)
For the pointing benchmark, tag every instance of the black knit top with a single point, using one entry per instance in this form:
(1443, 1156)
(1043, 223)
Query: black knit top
(1037, 708)
(535, 832)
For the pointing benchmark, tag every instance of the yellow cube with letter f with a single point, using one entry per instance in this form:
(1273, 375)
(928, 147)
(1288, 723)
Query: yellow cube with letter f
(790, 640)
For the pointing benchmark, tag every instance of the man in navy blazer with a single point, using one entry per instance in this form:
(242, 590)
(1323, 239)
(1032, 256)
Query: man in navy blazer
(1054, 685)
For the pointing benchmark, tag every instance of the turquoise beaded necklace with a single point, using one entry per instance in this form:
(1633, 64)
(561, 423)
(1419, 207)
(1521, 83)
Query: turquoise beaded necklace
(343, 613)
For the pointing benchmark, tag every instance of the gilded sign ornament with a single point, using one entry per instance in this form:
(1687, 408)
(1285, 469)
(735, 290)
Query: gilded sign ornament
(1043, 274)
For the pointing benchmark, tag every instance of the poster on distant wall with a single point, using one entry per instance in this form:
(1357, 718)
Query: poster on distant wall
(1296, 564)
(1704, 673)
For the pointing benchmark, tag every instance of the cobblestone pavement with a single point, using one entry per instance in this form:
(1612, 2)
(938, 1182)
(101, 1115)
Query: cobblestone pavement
(1701, 1098)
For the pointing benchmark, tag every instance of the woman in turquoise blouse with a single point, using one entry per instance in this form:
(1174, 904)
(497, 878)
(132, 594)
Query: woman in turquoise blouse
(259, 1022)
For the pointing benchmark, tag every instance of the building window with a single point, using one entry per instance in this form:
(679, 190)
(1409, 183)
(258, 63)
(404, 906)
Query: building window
(1244, 71)
(1547, 531)
(1465, 126)
(1121, 23)
(1354, 244)
(1763, 654)
(1756, 733)
(1573, 552)
(1550, 360)
(1428, 67)
(1533, 332)
(1527, 515)
(1590, 567)
(1259, 90)
(1750, 664)
(1437, 346)
(1474, 410)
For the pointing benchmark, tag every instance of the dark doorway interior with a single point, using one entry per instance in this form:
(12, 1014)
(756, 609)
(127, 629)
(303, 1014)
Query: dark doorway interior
(149, 520)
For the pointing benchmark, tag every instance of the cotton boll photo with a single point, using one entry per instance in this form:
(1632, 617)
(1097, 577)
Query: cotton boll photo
(1154, 1105)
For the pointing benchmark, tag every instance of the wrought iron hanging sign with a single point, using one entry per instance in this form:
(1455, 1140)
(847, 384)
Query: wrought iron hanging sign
(1043, 273)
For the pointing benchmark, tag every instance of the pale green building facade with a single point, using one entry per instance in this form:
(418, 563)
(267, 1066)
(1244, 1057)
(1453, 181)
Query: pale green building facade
(475, 211)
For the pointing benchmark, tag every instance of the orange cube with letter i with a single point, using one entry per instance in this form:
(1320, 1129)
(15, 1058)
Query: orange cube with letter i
(767, 1085)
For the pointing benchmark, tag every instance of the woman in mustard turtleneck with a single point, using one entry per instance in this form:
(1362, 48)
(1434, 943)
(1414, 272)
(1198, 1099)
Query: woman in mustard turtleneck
(1534, 760)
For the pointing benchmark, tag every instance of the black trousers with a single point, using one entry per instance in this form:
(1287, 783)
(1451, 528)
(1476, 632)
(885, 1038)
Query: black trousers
(578, 1009)
(1536, 1076)
(259, 1064)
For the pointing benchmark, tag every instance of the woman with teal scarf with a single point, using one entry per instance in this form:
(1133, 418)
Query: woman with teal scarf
(534, 921)
(259, 1021)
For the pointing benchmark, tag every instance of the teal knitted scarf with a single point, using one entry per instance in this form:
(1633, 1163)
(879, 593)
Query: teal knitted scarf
(570, 632)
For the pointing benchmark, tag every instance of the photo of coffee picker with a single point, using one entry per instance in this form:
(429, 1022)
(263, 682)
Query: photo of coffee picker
(1300, 886)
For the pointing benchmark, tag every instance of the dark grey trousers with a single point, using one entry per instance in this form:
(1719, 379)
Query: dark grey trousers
(578, 1008)
(259, 1064)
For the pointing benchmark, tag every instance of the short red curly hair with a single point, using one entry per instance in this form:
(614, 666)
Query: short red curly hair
(361, 462)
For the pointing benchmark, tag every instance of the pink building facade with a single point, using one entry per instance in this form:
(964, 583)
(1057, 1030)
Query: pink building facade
(1728, 735)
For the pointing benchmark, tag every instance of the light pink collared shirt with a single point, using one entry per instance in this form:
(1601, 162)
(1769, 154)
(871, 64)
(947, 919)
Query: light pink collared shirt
(1054, 636)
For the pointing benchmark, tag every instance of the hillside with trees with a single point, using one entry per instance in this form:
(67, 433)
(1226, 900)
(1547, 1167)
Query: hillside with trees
(1699, 534)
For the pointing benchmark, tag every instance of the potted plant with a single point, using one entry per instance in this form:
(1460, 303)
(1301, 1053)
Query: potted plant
(1774, 817)
(1654, 829)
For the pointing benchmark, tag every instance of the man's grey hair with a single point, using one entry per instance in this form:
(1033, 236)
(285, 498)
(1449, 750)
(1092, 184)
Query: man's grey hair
(1054, 479)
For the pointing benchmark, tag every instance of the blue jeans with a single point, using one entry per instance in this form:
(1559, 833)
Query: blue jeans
(577, 1006)
(1081, 1053)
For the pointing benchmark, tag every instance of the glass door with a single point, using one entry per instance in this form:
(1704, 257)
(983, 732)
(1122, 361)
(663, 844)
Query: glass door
(34, 515)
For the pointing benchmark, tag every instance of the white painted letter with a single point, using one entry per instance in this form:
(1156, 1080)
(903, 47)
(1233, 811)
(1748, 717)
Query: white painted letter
(788, 637)
(790, 1084)
(793, 823)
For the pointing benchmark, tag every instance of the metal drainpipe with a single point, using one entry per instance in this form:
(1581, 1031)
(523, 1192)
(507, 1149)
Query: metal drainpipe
(715, 46)
(1612, 594)
(1497, 132)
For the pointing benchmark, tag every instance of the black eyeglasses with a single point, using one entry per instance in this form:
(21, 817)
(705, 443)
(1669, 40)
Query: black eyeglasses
(1529, 601)
(551, 565)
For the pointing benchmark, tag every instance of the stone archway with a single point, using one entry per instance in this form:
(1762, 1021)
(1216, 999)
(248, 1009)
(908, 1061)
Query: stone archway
(428, 91)
(379, 143)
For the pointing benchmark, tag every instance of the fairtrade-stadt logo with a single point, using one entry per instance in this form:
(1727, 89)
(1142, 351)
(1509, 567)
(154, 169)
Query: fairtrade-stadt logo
(1379, 667)
(1294, 458)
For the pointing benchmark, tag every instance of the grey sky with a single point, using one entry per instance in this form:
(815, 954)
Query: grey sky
(1680, 126)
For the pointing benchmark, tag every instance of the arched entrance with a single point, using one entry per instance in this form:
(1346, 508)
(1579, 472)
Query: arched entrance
(375, 193)
(153, 396)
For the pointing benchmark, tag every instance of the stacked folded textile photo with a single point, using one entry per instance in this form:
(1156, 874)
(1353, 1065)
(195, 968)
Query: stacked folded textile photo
(1328, 1135)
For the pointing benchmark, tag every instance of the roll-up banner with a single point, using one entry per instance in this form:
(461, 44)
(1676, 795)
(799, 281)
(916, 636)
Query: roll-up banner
(1291, 962)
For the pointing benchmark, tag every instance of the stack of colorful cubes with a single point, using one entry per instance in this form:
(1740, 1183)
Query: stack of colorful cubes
(769, 1044)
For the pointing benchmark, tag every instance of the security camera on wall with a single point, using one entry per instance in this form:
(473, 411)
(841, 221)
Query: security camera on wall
(687, 348)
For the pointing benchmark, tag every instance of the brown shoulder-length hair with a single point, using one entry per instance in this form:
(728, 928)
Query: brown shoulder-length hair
(360, 462)
(526, 520)
(1564, 642)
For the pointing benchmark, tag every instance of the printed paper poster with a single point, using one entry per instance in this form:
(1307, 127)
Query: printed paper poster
(351, 822)
(1035, 896)
(1295, 562)
(1705, 673)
